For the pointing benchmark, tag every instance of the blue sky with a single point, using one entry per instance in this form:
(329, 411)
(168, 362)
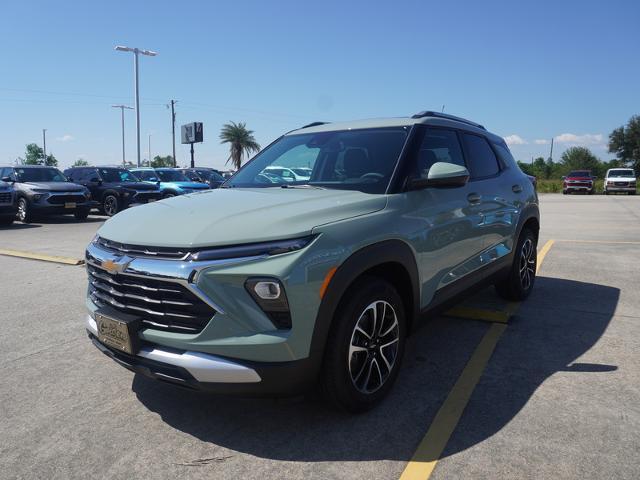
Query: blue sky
(528, 71)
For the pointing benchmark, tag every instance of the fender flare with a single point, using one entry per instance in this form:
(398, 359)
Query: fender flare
(362, 260)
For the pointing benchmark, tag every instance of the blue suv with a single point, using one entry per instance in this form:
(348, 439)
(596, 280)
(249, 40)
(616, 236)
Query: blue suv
(172, 182)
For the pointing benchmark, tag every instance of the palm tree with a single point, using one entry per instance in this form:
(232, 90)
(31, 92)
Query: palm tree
(242, 142)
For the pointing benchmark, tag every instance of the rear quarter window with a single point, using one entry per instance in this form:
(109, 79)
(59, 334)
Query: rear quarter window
(481, 161)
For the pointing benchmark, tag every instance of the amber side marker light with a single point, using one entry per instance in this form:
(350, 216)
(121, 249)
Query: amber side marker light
(327, 280)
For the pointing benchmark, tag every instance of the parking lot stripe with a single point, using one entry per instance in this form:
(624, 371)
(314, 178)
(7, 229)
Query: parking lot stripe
(42, 257)
(428, 452)
(615, 242)
(426, 456)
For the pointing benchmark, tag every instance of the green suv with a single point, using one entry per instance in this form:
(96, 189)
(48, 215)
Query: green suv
(270, 287)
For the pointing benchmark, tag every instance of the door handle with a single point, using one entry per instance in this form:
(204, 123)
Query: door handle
(474, 198)
(516, 188)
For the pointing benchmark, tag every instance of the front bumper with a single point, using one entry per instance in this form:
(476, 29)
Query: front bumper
(614, 188)
(8, 210)
(211, 373)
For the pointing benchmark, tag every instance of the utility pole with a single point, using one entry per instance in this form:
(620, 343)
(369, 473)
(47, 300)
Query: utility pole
(122, 107)
(551, 152)
(149, 149)
(44, 144)
(173, 132)
(136, 52)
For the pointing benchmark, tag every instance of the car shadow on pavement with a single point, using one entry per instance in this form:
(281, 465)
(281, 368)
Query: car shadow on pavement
(552, 329)
(64, 219)
(19, 226)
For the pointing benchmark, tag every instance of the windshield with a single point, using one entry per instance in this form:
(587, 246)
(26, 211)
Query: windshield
(350, 160)
(172, 176)
(40, 175)
(580, 173)
(210, 175)
(621, 173)
(116, 175)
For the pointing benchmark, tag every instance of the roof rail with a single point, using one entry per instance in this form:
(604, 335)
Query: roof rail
(314, 124)
(429, 113)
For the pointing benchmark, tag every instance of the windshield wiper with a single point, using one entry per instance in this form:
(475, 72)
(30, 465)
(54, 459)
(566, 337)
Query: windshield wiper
(304, 186)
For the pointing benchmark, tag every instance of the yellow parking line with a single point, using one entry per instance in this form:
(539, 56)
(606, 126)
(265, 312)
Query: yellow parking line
(426, 456)
(41, 257)
(432, 445)
(615, 242)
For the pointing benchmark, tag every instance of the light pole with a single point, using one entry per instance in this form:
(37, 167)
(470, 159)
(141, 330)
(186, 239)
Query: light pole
(149, 150)
(136, 51)
(122, 107)
(44, 144)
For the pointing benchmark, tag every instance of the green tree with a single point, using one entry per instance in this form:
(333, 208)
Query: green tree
(159, 162)
(525, 167)
(81, 162)
(625, 142)
(580, 158)
(242, 142)
(34, 155)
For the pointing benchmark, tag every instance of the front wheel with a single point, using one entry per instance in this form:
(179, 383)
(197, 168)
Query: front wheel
(522, 275)
(110, 205)
(365, 346)
(24, 210)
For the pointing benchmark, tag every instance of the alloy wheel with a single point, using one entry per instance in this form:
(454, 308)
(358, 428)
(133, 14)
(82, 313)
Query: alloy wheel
(22, 209)
(110, 205)
(373, 349)
(527, 264)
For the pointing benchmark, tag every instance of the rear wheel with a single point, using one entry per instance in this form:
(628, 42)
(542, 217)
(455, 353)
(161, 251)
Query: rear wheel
(365, 346)
(110, 205)
(24, 210)
(522, 275)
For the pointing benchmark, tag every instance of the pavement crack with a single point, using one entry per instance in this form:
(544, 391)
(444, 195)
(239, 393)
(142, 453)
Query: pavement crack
(200, 462)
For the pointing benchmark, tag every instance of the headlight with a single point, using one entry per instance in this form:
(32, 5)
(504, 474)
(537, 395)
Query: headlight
(253, 249)
(39, 190)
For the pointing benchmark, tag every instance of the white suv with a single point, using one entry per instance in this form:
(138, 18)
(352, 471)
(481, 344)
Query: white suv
(620, 180)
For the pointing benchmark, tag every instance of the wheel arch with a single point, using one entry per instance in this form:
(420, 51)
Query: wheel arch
(392, 260)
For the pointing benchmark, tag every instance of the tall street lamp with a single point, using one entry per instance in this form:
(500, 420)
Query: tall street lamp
(122, 107)
(136, 52)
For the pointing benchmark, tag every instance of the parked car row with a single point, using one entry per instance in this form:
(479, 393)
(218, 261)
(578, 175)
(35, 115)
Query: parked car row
(31, 190)
(616, 180)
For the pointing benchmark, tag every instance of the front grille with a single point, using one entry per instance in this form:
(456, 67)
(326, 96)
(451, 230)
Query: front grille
(140, 251)
(621, 184)
(162, 305)
(61, 199)
(145, 195)
(5, 197)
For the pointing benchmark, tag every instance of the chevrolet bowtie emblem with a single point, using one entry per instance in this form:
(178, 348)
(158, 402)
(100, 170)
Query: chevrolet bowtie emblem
(117, 266)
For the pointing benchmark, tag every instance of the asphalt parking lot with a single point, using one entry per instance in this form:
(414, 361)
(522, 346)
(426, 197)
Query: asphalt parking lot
(556, 395)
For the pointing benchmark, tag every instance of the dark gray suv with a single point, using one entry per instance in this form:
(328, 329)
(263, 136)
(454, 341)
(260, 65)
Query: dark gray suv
(42, 190)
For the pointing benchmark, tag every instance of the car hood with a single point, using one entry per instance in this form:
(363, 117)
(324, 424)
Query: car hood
(56, 186)
(231, 216)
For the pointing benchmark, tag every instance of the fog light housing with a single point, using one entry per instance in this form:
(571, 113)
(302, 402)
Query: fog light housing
(268, 290)
(270, 296)
(37, 197)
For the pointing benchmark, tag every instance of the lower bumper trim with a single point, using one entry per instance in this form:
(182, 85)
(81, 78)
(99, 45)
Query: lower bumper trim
(201, 367)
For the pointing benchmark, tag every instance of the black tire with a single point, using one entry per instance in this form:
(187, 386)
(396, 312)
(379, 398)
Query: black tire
(372, 356)
(6, 221)
(564, 192)
(522, 275)
(81, 214)
(110, 205)
(24, 210)
(169, 195)
(605, 192)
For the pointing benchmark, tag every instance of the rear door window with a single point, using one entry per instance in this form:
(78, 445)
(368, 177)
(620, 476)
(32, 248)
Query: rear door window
(480, 157)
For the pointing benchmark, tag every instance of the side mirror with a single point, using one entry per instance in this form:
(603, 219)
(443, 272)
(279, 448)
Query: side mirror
(95, 180)
(442, 174)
